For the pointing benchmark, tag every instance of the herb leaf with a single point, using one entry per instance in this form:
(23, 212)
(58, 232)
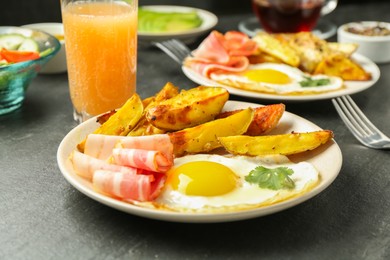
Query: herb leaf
(310, 82)
(274, 179)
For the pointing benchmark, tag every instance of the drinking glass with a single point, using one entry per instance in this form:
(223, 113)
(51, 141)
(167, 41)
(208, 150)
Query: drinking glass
(289, 16)
(101, 51)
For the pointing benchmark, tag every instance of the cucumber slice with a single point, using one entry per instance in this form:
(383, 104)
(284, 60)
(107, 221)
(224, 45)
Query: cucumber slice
(11, 41)
(29, 45)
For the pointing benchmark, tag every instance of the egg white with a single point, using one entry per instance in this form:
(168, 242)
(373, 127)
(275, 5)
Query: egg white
(239, 80)
(245, 195)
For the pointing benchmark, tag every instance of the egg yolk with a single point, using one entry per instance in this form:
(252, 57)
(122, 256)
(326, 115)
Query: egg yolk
(268, 76)
(202, 178)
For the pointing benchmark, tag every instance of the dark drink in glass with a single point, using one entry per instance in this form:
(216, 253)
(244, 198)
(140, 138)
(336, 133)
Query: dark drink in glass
(287, 16)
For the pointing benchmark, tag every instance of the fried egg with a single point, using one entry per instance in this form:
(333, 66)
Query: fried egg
(216, 183)
(276, 78)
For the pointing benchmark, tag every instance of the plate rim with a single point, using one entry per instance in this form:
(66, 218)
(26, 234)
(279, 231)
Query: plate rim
(367, 63)
(77, 182)
(212, 22)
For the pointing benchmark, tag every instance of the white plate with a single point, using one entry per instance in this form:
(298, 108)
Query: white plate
(327, 159)
(323, 29)
(351, 87)
(209, 21)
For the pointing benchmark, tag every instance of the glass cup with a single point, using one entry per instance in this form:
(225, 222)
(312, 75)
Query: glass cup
(101, 51)
(290, 16)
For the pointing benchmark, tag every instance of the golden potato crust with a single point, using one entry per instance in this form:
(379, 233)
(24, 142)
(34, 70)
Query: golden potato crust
(187, 109)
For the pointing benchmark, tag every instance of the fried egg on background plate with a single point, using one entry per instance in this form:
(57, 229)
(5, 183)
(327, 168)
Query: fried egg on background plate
(214, 183)
(275, 78)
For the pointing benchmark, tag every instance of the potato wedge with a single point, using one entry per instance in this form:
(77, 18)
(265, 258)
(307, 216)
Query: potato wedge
(263, 57)
(285, 144)
(345, 48)
(265, 118)
(310, 49)
(343, 67)
(189, 108)
(168, 91)
(122, 121)
(203, 138)
(268, 44)
(144, 127)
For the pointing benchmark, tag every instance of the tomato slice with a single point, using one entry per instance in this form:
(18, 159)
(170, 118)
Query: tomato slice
(18, 56)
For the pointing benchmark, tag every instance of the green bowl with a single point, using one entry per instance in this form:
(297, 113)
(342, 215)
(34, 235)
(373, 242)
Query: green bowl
(15, 78)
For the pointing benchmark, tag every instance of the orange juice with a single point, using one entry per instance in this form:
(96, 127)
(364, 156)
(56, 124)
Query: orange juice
(101, 49)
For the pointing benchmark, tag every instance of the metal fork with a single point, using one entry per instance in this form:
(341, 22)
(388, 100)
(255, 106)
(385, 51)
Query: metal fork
(359, 125)
(175, 49)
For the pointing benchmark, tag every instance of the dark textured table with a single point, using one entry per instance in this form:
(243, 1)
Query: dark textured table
(44, 217)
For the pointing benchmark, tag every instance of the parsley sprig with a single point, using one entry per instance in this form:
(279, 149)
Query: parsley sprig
(310, 82)
(274, 179)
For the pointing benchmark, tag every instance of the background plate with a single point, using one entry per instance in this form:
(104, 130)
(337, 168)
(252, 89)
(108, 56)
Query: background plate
(327, 159)
(209, 21)
(351, 86)
(323, 29)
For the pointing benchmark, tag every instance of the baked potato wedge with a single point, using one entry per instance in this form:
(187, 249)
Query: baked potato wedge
(203, 138)
(341, 66)
(189, 108)
(124, 119)
(278, 49)
(343, 47)
(168, 91)
(285, 144)
(121, 122)
(144, 127)
(264, 120)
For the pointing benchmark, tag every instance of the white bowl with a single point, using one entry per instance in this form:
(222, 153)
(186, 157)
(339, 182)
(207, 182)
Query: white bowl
(58, 63)
(376, 48)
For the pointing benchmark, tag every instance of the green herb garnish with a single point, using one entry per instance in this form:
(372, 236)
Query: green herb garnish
(309, 82)
(274, 179)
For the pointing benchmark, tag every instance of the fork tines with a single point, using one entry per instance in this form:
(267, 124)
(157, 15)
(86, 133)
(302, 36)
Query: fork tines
(359, 125)
(175, 49)
(357, 119)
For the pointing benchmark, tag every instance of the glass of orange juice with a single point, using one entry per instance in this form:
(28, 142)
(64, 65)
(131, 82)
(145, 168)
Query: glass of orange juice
(101, 51)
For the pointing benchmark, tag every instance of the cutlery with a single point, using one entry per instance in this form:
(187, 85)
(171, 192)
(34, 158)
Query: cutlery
(175, 49)
(359, 125)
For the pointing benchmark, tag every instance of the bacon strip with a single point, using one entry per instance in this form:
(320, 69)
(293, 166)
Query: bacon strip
(85, 166)
(136, 168)
(222, 52)
(212, 49)
(128, 186)
(239, 44)
(142, 159)
(237, 64)
(158, 142)
(100, 146)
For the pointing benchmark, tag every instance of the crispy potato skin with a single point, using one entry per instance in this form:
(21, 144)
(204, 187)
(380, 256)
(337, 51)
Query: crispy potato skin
(312, 54)
(121, 122)
(343, 67)
(203, 138)
(168, 91)
(265, 118)
(144, 127)
(124, 119)
(187, 109)
(342, 47)
(285, 144)
(276, 48)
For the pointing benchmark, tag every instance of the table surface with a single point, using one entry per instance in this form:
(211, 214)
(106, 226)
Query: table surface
(43, 216)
